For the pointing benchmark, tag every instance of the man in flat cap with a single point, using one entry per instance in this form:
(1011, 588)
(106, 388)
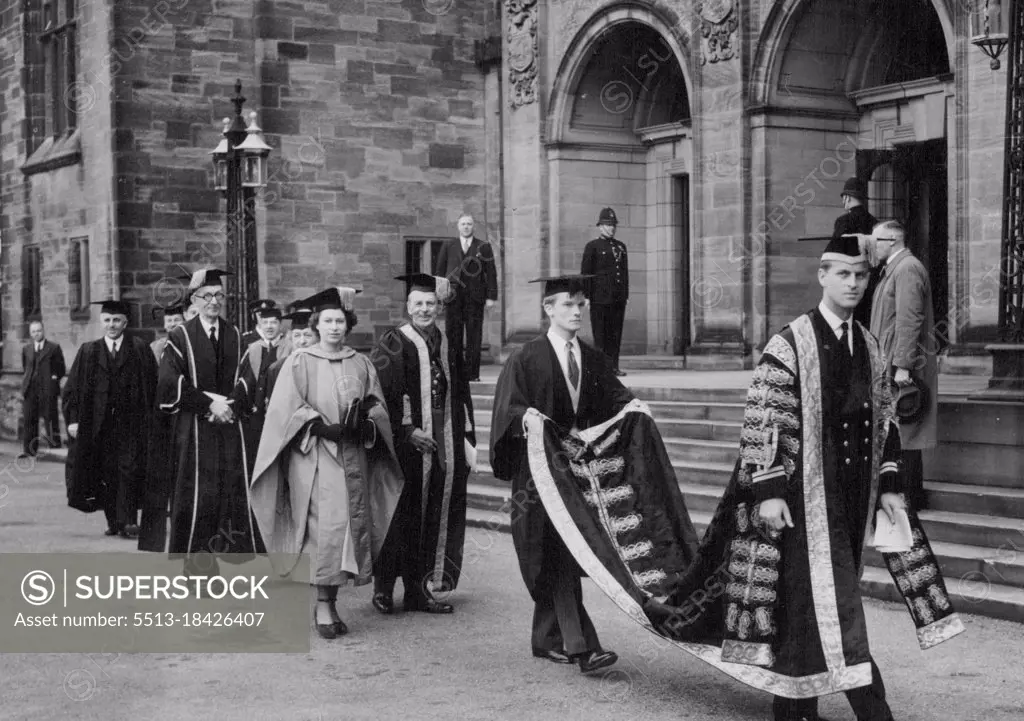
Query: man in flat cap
(468, 264)
(553, 376)
(210, 513)
(818, 459)
(43, 361)
(108, 402)
(857, 219)
(431, 420)
(606, 260)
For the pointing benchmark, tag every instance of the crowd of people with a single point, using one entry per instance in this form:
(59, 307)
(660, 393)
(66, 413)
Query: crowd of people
(293, 443)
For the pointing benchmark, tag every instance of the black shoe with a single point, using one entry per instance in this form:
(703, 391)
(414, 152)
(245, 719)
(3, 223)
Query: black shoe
(384, 603)
(326, 630)
(553, 655)
(594, 660)
(340, 628)
(111, 531)
(130, 531)
(429, 605)
(26, 454)
(619, 373)
(475, 380)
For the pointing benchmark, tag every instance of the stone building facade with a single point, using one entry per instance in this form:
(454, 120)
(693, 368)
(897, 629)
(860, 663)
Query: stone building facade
(721, 132)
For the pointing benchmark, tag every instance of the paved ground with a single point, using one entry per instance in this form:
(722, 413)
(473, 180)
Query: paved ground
(473, 665)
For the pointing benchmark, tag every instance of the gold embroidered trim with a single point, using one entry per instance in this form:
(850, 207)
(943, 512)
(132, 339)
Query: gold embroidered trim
(608, 497)
(935, 633)
(819, 542)
(780, 349)
(748, 653)
(819, 684)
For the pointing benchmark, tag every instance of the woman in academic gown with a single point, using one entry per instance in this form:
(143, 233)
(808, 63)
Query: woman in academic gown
(326, 480)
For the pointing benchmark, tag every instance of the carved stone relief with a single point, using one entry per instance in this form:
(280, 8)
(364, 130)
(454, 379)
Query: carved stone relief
(719, 21)
(522, 51)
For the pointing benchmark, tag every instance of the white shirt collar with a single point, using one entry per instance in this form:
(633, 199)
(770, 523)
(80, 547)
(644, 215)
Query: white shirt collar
(835, 323)
(113, 345)
(39, 345)
(888, 260)
(207, 325)
(466, 242)
(559, 342)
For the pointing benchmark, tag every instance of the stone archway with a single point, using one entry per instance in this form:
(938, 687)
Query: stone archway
(870, 84)
(619, 135)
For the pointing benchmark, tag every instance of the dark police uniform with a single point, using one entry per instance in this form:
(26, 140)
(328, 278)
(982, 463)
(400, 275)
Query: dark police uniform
(606, 258)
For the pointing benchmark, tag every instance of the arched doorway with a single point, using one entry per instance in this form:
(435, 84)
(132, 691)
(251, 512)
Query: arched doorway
(878, 79)
(619, 136)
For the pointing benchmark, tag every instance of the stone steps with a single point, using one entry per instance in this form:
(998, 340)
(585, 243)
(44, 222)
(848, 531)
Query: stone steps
(980, 589)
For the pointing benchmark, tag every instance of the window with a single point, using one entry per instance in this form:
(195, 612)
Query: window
(78, 277)
(57, 38)
(421, 254)
(32, 284)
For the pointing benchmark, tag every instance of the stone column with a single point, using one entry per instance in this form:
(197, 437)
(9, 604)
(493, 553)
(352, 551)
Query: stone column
(525, 170)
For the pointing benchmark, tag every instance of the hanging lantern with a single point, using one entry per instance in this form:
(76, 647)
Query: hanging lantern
(990, 27)
(220, 160)
(254, 156)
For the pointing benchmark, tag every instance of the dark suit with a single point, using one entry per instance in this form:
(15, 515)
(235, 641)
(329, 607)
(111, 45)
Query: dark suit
(474, 280)
(533, 378)
(607, 259)
(40, 388)
(859, 220)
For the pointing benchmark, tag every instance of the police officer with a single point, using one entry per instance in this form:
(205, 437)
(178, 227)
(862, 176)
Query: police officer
(605, 258)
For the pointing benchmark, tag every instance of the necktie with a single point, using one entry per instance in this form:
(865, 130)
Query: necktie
(574, 369)
(844, 339)
(213, 337)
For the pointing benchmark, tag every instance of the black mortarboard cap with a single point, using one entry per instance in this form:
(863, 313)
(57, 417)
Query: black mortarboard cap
(114, 306)
(565, 284)
(337, 297)
(207, 276)
(265, 308)
(427, 283)
(299, 318)
(846, 249)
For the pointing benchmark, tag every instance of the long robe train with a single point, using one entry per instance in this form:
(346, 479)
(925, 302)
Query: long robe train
(635, 557)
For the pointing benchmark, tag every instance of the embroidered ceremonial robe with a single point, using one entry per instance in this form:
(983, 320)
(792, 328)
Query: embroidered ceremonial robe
(208, 466)
(311, 495)
(818, 432)
(253, 377)
(533, 378)
(111, 401)
(423, 389)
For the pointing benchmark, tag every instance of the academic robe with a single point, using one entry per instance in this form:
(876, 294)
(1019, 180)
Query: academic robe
(95, 385)
(430, 524)
(782, 612)
(208, 466)
(311, 495)
(533, 378)
(253, 377)
(157, 347)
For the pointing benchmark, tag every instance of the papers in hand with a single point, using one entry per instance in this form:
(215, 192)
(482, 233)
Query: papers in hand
(470, 456)
(893, 537)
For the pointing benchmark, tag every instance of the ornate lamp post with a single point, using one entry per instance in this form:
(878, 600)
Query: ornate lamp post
(240, 167)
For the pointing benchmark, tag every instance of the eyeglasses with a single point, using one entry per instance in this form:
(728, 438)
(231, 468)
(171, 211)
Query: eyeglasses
(887, 240)
(211, 296)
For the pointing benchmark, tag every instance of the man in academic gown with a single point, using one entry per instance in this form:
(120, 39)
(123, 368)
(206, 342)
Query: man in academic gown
(819, 456)
(270, 346)
(174, 315)
(43, 362)
(557, 376)
(431, 414)
(300, 336)
(108, 402)
(210, 513)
